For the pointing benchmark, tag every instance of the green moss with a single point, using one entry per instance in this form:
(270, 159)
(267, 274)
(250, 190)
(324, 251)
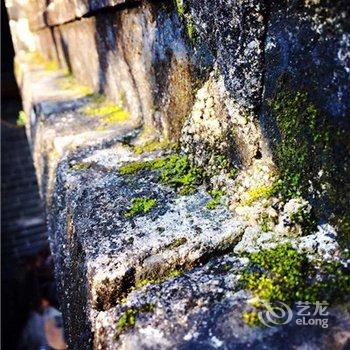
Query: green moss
(227, 267)
(79, 166)
(307, 220)
(51, 66)
(21, 119)
(171, 274)
(191, 29)
(343, 225)
(177, 243)
(151, 146)
(140, 206)
(233, 172)
(304, 148)
(265, 222)
(258, 192)
(175, 171)
(283, 274)
(133, 167)
(182, 9)
(312, 154)
(222, 162)
(128, 318)
(216, 199)
(178, 173)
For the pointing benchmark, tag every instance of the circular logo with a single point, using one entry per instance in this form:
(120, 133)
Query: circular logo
(274, 314)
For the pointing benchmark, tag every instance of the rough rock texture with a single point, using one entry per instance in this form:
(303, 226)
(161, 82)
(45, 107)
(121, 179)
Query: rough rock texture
(307, 50)
(257, 94)
(178, 258)
(202, 310)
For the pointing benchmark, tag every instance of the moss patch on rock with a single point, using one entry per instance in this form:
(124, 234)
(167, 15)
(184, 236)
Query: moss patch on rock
(304, 148)
(146, 281)
(251, 318)
(182, 8)
(178, 173)
(266, 222)
(284, 274)
(79, 166)
(37, 58)
(140, 205)
(312, 157)
(216, 199)
(177, 243)
(175, 171)
(221, 162)
(255, 193)
(128, 318)
(109, 111)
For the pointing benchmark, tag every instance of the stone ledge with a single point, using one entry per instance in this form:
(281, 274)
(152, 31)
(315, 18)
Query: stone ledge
(101, 256)
(93, 243)
(202, 309)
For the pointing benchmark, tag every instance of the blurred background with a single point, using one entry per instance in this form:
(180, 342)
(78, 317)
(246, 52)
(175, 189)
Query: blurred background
(28, 298)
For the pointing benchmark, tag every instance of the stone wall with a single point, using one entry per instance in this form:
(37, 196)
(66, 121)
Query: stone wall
(255, 96)
(153, 57)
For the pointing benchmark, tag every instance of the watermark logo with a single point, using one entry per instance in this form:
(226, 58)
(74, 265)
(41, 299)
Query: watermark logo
(306, 314)
(274, 314)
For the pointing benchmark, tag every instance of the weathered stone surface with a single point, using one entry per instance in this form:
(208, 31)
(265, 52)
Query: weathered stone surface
(120, 54)
(202, 310)
(48, 46)
(77, 50)
(180, 248)
(210, 74)
(42, 13)
(234, 31)
(143, 55)
(305, 52)
(128, 250)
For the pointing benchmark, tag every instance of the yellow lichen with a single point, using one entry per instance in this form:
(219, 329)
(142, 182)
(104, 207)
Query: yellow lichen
(251, 318)
(107, 110)
(70, 83)
(258, 192)
(37, 58)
